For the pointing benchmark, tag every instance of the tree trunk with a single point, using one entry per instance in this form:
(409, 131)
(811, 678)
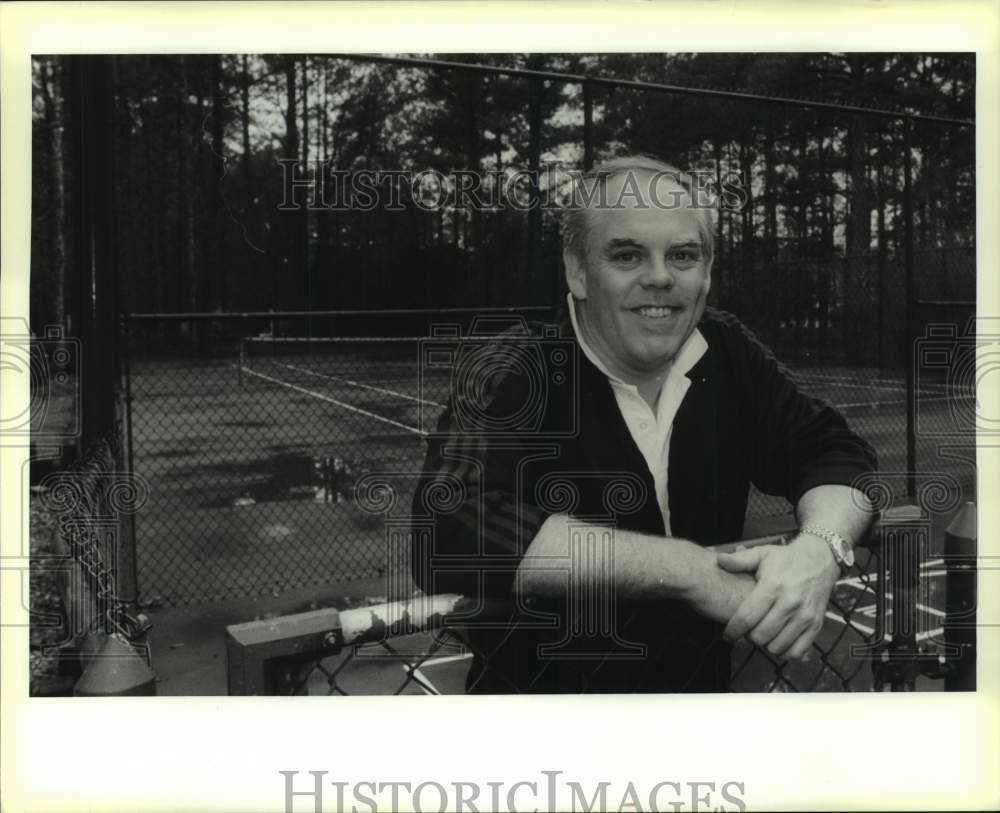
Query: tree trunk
(249, 226)
(720, 260)
(882, 249)
(245, 131)
(54, 299)
(64, 224)
(770, 310)
(801, 270)
(770, 193)
(290, 276)
(185, 194)
(859, 226)
(164, 257)
(859, 218)
(823, 265)
(748, 272)
(323, 217)
(218, 259)
(127, 283)
(473, 155)
(302, 216)
(536, 285)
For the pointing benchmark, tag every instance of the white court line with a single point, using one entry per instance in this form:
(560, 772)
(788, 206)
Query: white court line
(448, 659)
(334, 401)
(855, 624)
(359, 384)
(804, 373)
(918, 605)
(433, 662)
(430, 688)
(931, 610)
(855, 581)
(871, 631)
(923, 400)
(879, 383)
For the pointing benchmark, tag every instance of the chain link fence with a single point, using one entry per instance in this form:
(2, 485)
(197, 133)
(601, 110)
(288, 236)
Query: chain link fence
(252, 432)
(842, 332)
(83, 512)
(878, 636)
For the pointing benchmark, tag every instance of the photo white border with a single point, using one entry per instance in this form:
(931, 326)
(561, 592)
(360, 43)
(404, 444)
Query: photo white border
(916, 751)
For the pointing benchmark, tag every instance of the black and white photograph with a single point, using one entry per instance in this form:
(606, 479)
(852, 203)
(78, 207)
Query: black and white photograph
(470, 373)
(409, 373)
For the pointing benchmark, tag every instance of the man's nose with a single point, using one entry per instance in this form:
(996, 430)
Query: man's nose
(658, 274)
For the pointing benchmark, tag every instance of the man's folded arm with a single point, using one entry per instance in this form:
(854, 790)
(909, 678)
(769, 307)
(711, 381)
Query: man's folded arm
(640, 566)
(493, 542)
(495, 545)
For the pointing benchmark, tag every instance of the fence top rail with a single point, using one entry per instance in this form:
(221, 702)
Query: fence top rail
(372, 623)
(350, 341)
(958, 303)
(658, 87)
(209, 315)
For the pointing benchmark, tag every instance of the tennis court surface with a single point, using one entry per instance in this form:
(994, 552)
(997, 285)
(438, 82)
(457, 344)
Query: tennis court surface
(252, 457)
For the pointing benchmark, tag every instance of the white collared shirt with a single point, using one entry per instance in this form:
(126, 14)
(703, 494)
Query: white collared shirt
(651, 431)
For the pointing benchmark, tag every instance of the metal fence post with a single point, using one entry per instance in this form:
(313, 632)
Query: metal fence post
(94, 229)
(126, 352)
(960, 542)
(255, 650)
(910, 330)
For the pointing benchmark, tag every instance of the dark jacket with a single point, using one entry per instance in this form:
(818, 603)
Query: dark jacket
(533, 428)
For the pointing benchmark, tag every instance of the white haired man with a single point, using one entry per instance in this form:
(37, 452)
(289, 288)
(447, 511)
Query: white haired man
(681, 403)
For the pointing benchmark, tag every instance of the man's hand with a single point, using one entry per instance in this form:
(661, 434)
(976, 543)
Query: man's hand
(785, 611)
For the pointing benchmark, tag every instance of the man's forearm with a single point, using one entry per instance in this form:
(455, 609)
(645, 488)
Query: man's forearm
(637, 566)
(841, 509)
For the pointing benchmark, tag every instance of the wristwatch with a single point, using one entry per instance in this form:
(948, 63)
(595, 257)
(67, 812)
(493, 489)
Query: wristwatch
(839, 547)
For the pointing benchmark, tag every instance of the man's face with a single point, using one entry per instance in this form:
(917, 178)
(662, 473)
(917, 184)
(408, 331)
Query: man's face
(643, 283)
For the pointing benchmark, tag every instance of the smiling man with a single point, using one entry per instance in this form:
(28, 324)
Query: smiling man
(682, 408)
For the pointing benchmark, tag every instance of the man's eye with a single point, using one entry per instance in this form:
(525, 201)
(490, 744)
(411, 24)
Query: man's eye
(626, 257)
(683, 256)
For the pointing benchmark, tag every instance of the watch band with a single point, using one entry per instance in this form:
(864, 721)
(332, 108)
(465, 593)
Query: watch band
(839, 547)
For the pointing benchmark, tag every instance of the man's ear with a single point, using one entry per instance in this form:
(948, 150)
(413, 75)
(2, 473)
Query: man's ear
(576, 276)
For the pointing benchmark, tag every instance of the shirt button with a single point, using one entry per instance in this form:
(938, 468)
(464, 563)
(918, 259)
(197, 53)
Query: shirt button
(644, 426)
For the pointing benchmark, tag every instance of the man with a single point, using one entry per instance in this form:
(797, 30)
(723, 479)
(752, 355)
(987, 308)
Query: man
(678, 405)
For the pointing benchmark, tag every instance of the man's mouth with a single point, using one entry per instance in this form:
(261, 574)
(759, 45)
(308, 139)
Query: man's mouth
(655, 311)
